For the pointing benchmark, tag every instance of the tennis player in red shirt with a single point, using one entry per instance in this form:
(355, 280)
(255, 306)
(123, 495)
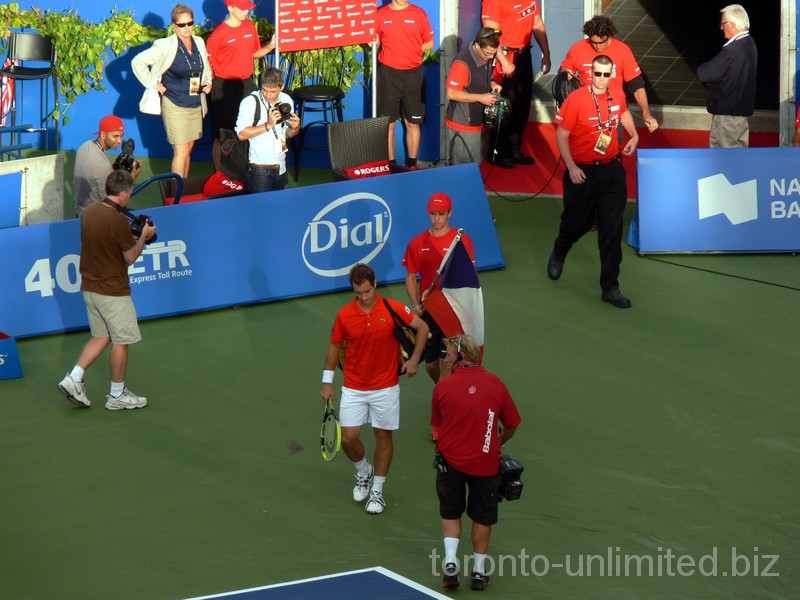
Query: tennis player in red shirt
(371, 390)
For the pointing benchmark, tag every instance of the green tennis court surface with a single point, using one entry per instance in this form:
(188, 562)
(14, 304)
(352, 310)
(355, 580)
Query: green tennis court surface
(669, 428)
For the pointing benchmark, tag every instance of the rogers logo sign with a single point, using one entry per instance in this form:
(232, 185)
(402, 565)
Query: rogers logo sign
(372, 171)
(349, 230)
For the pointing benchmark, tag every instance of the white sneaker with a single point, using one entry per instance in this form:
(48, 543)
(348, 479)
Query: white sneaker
(376, 503)
(363, 485)
(126, 400)
(74, 392)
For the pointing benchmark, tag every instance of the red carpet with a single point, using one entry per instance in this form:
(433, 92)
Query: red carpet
(540, 142)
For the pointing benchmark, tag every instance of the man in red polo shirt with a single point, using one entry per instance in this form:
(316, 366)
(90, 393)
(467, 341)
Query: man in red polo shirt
(371, 390)
(518, 22)
(594, 182)
(232, 47)
(468, 407)
(600, 32)
(404, 35)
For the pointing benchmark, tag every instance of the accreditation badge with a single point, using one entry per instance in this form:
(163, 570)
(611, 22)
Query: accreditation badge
(194, 85)
(602, 143)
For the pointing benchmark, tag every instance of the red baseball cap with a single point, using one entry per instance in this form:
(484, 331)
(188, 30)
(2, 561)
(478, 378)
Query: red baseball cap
(111, 123)
(439, 202)
(241, 4)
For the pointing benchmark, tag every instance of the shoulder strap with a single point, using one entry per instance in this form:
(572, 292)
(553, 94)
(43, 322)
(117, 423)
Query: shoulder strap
(395, 317)
(257, 114)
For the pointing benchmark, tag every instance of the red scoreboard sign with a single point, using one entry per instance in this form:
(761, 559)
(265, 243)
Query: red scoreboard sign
(312, 24)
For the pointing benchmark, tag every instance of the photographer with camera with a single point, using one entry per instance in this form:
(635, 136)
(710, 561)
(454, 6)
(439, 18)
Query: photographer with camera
(268, 133)
(470, 89)
(92, 167)
(468, 405)
(108, 247)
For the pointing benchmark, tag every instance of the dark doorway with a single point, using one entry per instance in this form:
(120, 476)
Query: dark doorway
(670, 38)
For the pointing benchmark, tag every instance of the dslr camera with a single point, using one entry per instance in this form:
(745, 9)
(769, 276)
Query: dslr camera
(510, 479)
(126, 160)
(285, 109)
(496, 113)
(137, 226)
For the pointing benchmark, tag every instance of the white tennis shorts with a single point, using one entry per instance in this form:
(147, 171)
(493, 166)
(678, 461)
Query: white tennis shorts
(381, 408)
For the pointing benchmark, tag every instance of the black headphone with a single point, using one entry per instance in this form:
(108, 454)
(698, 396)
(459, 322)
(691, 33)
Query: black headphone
(459, 356)
(488, 34)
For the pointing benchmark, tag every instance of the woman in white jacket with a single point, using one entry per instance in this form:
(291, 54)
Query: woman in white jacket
(176, 68)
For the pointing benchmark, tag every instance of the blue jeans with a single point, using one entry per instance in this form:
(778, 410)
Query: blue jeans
(260, 179)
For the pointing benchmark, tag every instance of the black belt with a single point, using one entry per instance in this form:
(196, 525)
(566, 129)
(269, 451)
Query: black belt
(597, 163)
(270, 167)
(516, 50)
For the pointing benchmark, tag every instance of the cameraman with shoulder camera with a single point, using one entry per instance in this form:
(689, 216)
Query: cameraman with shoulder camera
(92, 167)
(268, 133)
(470, 88)
(107, 249)
(468, 405)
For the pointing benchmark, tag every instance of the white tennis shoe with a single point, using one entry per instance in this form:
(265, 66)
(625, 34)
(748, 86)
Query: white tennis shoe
(74, 392)
(376, 503)
(363, 485)
(126, 400)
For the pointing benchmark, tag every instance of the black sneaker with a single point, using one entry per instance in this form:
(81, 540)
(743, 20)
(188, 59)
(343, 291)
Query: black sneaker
(617, 298)
(450, 579)
(479, 582)
(522, 159)
(503, 162)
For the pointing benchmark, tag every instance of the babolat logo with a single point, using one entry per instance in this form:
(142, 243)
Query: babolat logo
(717, 196)
(349, 230)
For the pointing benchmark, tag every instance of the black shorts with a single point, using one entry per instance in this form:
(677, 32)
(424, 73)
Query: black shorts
(401, 93)
(226, 95)
(481, 504)
(434, 347)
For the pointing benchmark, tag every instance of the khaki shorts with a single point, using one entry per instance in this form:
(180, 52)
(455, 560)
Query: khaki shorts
(112, 317)
(183, 125)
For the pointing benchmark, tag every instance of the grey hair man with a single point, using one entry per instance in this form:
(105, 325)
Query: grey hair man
(730, 78)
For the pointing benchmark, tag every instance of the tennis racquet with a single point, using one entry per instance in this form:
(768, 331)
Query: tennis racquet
(330, 436)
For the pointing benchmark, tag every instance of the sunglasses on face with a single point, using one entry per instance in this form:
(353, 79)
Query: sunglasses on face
(602, 74)
(182, 25)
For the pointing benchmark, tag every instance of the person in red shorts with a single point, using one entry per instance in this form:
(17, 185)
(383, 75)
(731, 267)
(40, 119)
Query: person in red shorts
(232, 47)
(467, 408)
(600, 32)
(594, 181)
(371, 390)
(518, 22)
(404, 34)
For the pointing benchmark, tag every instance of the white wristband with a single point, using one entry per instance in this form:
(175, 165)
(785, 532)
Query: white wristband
(327, 376)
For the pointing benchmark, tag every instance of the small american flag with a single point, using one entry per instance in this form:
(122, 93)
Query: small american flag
(6, 94)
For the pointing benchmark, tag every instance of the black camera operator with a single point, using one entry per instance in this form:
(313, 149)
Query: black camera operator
(91, 163)
(470, 91)
(468, 406)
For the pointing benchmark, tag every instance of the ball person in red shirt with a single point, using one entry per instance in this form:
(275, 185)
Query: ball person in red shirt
(371, 390)
(467, 408)
(594, 182)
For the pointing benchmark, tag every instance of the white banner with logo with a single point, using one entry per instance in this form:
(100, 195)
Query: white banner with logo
(245, 249)
(718, 200)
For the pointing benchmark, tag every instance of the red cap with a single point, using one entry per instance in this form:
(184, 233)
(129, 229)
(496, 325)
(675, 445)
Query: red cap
(439, 202)
(241, 4)
(111, 123)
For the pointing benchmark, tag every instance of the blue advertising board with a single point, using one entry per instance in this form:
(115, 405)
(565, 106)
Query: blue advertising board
(245, 249)
(718, 200)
